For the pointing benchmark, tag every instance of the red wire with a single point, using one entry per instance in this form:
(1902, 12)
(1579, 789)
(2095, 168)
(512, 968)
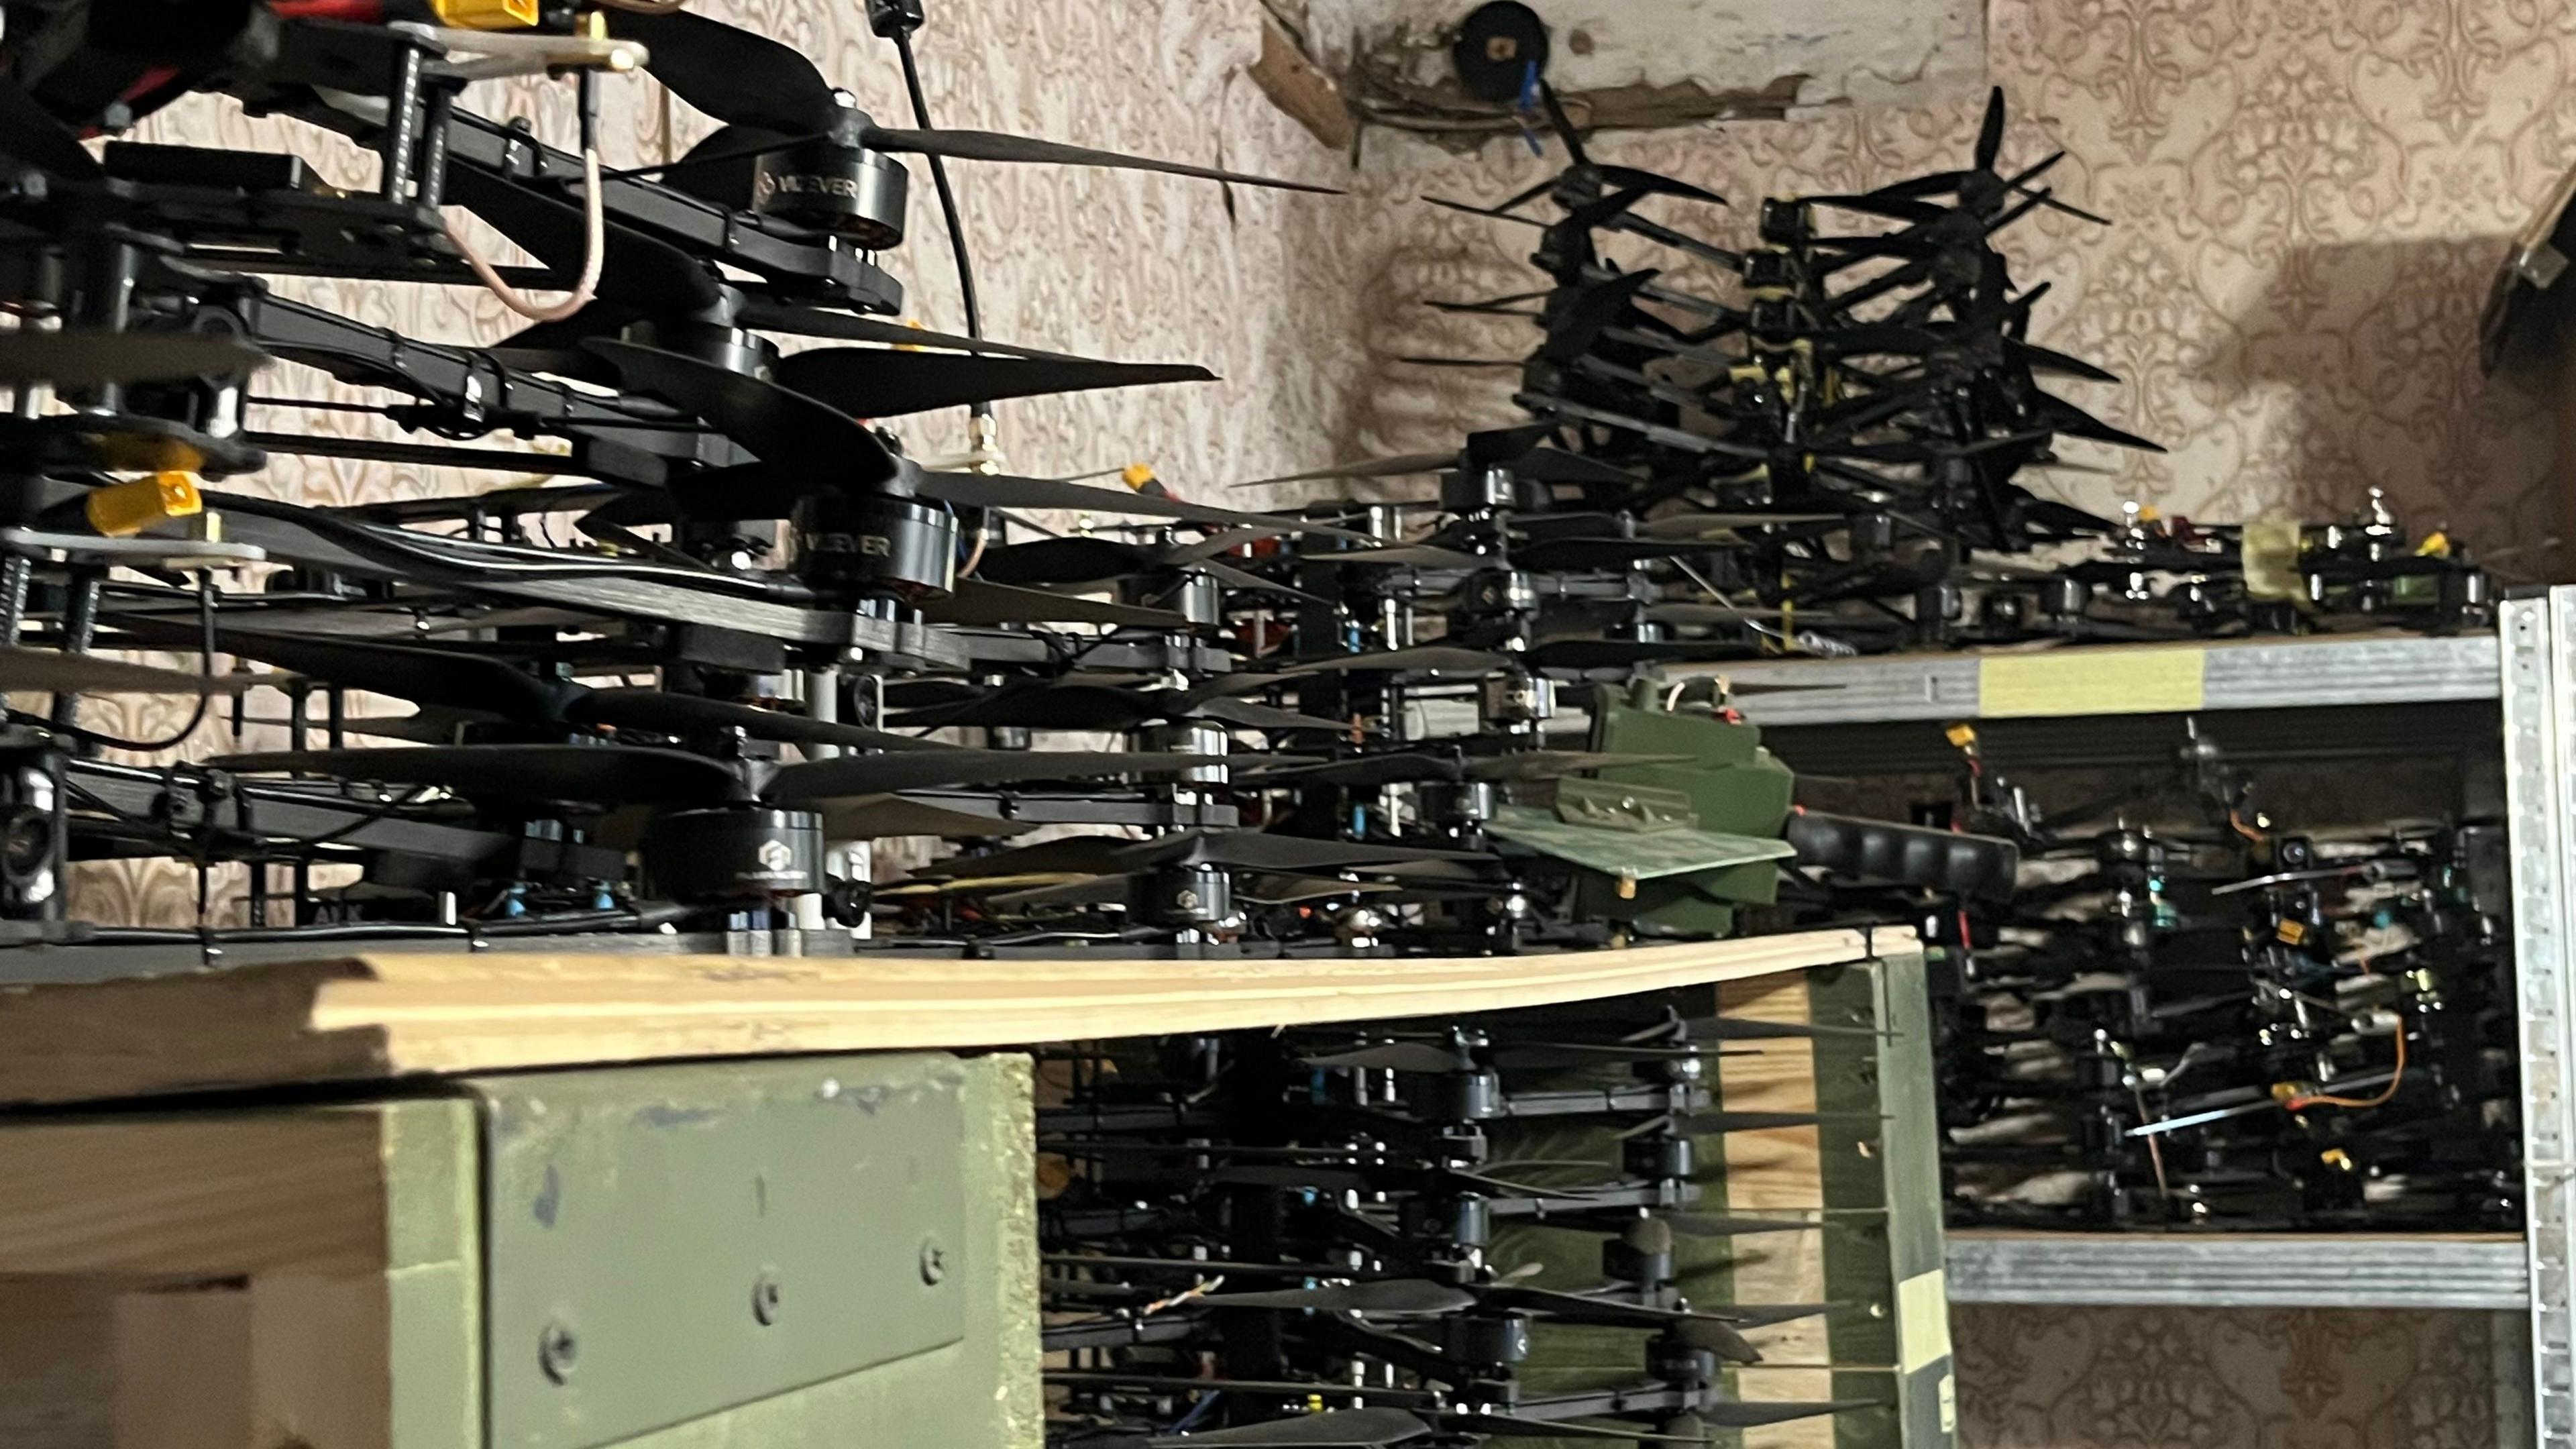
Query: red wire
(363, 11)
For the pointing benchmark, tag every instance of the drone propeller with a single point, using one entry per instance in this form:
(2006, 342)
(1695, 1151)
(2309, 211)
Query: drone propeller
(770, 489)
(1584, 655)
(990, 490)
(1434, 1058)
(1383, 1298)
(982, 603)
(1396, 466)
(34, 135)
(1087, 559)
(1522, 1426)
(1526, 765)
(638, 775)
(883, 382)
(747, 79)
(1402, 555)
(1244, 849)
(607, 775)
(1329, 1429)
(2065, 417)
(782, 427)
(1421, 1057)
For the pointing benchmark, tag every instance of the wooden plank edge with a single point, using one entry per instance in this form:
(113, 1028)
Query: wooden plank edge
(399, 1013)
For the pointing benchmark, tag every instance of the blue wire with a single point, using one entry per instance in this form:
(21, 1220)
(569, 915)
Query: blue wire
(1527, 106)
(1197, 1412)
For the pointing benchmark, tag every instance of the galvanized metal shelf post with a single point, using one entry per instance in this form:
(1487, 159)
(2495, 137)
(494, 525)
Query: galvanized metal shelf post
(2539, 647)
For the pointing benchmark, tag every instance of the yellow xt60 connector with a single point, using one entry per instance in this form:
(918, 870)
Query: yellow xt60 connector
(485, 14)
(121, 510)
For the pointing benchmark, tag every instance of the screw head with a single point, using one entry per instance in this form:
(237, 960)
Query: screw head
(558, 1351)
(765, 1296)
(934, 1262)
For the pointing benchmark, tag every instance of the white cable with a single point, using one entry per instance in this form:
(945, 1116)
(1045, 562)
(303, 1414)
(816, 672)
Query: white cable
(594, 258)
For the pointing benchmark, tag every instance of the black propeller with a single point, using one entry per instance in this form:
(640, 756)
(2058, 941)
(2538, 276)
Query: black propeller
(747, 79)
(1330, 1429)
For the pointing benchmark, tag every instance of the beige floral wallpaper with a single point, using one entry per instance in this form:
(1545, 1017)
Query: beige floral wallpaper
(2310, 197)
(2167, 1378)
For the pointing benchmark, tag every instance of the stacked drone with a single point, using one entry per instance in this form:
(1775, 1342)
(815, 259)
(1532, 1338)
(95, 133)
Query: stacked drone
(1828, 466)
(1491, 1230)
(825, 617)
(1856, 422)
(2229, 1023)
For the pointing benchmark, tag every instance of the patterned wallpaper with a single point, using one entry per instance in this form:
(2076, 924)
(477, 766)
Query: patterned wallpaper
(2310, 196)
(2178, 1378)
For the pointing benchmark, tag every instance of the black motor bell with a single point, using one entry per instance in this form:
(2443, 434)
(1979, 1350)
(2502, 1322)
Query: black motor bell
(836, 187)
(828, 182)
(875, 543)
(733, 855)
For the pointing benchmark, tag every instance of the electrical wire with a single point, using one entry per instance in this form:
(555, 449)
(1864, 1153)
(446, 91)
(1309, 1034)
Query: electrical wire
(594, 258)
(979, 412)
(342, 832)
(2387, 1094)
(947, 202)
(594, 217)
(196, 717)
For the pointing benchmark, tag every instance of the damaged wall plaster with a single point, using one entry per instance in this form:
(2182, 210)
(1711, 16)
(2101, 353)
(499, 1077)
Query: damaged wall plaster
(1648, 63)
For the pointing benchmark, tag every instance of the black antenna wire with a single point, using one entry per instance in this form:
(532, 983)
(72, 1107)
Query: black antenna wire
(902, 38)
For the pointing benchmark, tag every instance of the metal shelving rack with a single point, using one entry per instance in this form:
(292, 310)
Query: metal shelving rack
(2291, 692)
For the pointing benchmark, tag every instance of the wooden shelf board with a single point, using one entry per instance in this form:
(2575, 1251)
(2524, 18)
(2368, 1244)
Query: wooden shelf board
(379, 1016)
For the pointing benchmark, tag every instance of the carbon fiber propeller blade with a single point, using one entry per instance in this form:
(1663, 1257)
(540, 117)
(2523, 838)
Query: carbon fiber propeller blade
(929, 769)
(1390, 1298)
(1521, 1426)
(994, 146)
(872, 382)
(601, 774)
(1395, 1056)
(783, 427)
(1250, 849)
(1331, 1429)
(666, 713)
(36, 136)
(732, 74)
(767, 316)
(978, 602)
(1524, 765)
(989, 490)
(1391, 467)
